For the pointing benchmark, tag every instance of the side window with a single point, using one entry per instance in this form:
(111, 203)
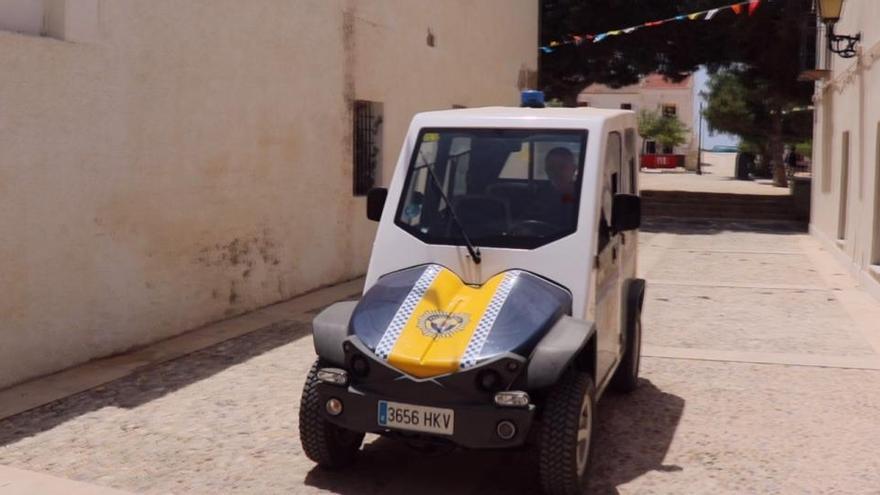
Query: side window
(630, 175)
(543, 148)
(610, 185)
(517, 165)
(613, 162)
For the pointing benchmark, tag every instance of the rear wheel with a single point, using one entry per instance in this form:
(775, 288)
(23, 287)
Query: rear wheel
(327, 444)
(566, 434)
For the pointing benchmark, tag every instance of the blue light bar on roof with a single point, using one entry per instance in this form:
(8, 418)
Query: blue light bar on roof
(532, 99)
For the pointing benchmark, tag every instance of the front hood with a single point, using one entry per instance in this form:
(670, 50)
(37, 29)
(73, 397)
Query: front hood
(426, 322)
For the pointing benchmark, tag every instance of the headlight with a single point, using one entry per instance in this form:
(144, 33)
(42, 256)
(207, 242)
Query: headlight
(512, 399)
(333, 376)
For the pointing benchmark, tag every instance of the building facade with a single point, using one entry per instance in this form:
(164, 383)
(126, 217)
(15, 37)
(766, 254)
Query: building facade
(845, 211)
(655, 93)
(171, 163)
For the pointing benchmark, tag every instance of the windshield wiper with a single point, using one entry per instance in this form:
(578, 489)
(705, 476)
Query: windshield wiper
(473, 250)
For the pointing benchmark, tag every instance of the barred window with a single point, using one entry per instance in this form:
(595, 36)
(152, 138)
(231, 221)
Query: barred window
(367, 145)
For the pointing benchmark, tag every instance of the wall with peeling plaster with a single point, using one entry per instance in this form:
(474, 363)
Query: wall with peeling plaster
(175, 162)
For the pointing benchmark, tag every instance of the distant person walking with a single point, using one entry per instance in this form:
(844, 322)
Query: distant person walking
(790, 160)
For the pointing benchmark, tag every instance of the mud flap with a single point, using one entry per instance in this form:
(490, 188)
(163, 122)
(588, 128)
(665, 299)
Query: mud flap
(330, 329)
(555, 352)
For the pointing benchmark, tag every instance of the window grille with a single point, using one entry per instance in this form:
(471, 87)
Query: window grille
(367, 142)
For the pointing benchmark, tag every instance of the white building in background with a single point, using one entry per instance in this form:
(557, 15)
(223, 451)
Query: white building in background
(845, 211)
(169, 163)
(653, 92)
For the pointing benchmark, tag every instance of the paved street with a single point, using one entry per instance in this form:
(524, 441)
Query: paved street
(761, 375)
(718, 173)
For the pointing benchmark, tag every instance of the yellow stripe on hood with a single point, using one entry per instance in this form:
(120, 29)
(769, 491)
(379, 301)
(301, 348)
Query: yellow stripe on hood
(435, 337)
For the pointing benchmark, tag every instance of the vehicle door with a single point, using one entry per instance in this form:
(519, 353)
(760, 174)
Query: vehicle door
(608, 264)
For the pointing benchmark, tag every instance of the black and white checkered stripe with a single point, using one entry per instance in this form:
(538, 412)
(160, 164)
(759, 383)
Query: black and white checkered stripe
(404, 312)
(487, 321)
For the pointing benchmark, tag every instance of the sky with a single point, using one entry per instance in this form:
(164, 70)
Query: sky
(709, 139)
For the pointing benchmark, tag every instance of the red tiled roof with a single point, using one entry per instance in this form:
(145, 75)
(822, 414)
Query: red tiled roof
(658, 81)
(651, 81)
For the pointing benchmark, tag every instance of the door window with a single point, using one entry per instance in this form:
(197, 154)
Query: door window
(610, 185)
(630, 171)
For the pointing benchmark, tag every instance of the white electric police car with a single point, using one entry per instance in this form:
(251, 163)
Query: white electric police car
(501, 299)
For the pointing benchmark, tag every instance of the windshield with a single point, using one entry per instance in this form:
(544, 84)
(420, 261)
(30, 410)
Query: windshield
(514, 188)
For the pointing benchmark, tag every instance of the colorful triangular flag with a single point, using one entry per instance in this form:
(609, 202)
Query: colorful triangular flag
(600, 37)
(546, 49)
(711, 14)
(753, 6)
(630, 29)
(695, 16)
(737, 8)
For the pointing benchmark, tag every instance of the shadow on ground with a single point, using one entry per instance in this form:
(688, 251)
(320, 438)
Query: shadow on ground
(633, 435)
(153, 382)
(712, 226)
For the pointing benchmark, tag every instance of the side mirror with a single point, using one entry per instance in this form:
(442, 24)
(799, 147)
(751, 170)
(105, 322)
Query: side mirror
(626, 212)
(376, 202)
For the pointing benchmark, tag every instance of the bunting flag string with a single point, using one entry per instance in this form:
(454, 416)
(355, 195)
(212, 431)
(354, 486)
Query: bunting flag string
(737, 8)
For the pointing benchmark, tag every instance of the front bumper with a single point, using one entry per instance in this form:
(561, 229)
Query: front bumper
(475, 426)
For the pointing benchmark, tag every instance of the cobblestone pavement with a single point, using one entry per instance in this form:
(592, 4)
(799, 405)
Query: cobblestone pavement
(708, 418)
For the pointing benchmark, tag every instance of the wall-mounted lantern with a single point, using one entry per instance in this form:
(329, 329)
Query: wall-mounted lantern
(829, 12)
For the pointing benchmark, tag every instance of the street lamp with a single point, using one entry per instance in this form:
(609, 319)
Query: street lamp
(829, 12)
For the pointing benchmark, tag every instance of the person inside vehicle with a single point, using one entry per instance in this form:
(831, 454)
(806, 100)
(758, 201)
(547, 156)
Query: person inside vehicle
(560, 166)
(556, 201)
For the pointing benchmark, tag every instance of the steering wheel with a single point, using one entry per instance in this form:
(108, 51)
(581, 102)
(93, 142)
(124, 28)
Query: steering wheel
(538, 228)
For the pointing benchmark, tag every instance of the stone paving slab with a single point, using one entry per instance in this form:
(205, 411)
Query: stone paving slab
(746, 319)
(721, 267)
(716, 427)
(731, 242)
(692, 427)
(733, 235)
(21, 482)
(221, 420)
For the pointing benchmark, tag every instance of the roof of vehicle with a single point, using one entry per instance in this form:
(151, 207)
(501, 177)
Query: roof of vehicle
(517, 117)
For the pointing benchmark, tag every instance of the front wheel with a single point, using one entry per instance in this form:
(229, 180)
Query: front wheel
(566, 434)
(329, 445)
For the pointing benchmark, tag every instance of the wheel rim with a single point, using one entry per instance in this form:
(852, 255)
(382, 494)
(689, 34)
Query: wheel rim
(585, 432)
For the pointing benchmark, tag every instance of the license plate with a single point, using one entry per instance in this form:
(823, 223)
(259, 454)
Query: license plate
(416, 418)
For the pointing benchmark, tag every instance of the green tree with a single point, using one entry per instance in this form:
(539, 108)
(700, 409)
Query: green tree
(769, 40)
(666, 130)
(741, 101)
(765, 46)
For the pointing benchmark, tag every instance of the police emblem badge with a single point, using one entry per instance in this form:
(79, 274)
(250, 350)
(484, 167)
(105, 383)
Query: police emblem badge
(441, 324)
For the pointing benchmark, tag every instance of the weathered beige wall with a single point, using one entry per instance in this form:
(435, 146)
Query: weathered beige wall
(187, 160)
(850, 101)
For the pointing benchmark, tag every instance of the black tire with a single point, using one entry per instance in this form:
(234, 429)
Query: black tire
(563, 460)
(626, 377)
(327, 444)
